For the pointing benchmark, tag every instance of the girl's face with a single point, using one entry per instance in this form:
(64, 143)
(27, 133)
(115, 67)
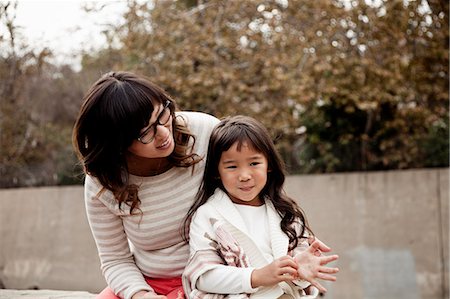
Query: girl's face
(243, 174)
(162, 143)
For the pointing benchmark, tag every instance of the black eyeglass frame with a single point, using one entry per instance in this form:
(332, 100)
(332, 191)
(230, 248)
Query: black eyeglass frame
(155, 124)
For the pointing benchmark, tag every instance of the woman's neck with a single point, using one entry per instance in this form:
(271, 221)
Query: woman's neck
(142, 166)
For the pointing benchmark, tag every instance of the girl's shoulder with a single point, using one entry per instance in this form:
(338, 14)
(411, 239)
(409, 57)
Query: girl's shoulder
(207, 209)
(213, 205)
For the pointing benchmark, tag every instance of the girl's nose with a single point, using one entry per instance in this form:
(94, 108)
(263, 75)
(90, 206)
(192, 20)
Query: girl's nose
(244, 176)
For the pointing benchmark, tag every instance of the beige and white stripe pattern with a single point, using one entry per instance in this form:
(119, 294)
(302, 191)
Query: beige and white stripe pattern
(151, 243)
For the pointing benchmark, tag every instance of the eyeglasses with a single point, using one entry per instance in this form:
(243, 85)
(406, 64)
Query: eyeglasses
(163, 118)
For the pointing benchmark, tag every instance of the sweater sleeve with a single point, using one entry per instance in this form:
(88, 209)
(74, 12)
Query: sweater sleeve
(224, 279)
(213, 277)
(117, 263)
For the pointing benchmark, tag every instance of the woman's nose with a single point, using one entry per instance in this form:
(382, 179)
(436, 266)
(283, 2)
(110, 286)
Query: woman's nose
(159, 130)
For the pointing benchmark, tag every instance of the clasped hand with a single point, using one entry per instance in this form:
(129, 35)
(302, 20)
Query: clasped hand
(308, 265)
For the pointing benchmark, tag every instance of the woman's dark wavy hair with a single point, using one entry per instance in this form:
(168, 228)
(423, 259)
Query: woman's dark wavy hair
(242, 129)
(113, 113)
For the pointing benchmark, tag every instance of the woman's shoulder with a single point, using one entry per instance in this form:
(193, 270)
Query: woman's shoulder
(200, 125)
(194, 119)
(94, 191)
(92, 184)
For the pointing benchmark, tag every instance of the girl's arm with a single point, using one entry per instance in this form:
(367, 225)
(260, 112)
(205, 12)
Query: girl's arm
(206, 270)
(224, 279)
(281, 269)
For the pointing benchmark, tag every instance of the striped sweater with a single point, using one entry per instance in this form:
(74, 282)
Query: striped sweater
(150, 243)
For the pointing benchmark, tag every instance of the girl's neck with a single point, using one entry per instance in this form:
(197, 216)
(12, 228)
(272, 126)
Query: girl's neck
(141, 166)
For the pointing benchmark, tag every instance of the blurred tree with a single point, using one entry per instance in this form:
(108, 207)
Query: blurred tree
(344, 85)
(38, 101)
(384, 91)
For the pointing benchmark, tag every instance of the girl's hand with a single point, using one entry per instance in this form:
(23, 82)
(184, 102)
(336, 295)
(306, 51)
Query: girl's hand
(311, 266)
(321, 248)
(282, 269)
(147, 295)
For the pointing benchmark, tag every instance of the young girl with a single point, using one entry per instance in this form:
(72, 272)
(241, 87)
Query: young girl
(247, 237)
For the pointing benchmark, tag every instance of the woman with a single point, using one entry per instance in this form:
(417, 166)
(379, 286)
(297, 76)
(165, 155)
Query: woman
(143, 163)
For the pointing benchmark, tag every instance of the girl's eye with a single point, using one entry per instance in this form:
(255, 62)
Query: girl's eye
(254, 163)
(230, 167)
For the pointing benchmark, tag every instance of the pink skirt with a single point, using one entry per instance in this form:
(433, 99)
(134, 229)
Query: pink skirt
(169, 287)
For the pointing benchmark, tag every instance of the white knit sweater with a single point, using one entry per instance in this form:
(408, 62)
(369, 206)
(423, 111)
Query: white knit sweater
(149, 244)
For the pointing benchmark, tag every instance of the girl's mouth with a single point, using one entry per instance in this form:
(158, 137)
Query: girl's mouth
(246, 188)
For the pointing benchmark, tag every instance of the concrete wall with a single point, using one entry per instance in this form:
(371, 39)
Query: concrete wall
(391, 230)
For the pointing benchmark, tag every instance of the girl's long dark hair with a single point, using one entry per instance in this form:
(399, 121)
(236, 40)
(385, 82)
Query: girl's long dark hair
(242, 129)
(114, 111)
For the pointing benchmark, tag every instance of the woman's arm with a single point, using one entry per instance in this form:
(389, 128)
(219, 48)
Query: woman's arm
(117, 263)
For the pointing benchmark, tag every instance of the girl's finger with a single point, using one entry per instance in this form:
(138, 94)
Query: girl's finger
(328, 270)
(290, 262)
(322, 246)
(289, 270)
(326, 277)
(328, 258)
(314, 246)
(318, 286)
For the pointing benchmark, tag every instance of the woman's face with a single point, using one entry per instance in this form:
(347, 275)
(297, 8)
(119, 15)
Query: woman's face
(158, 134)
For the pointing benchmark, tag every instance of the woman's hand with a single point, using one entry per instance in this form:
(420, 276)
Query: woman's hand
(147, 295)
(282, 269)
(311, 265)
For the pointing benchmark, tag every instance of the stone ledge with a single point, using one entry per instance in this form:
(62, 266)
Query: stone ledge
(44, 294)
